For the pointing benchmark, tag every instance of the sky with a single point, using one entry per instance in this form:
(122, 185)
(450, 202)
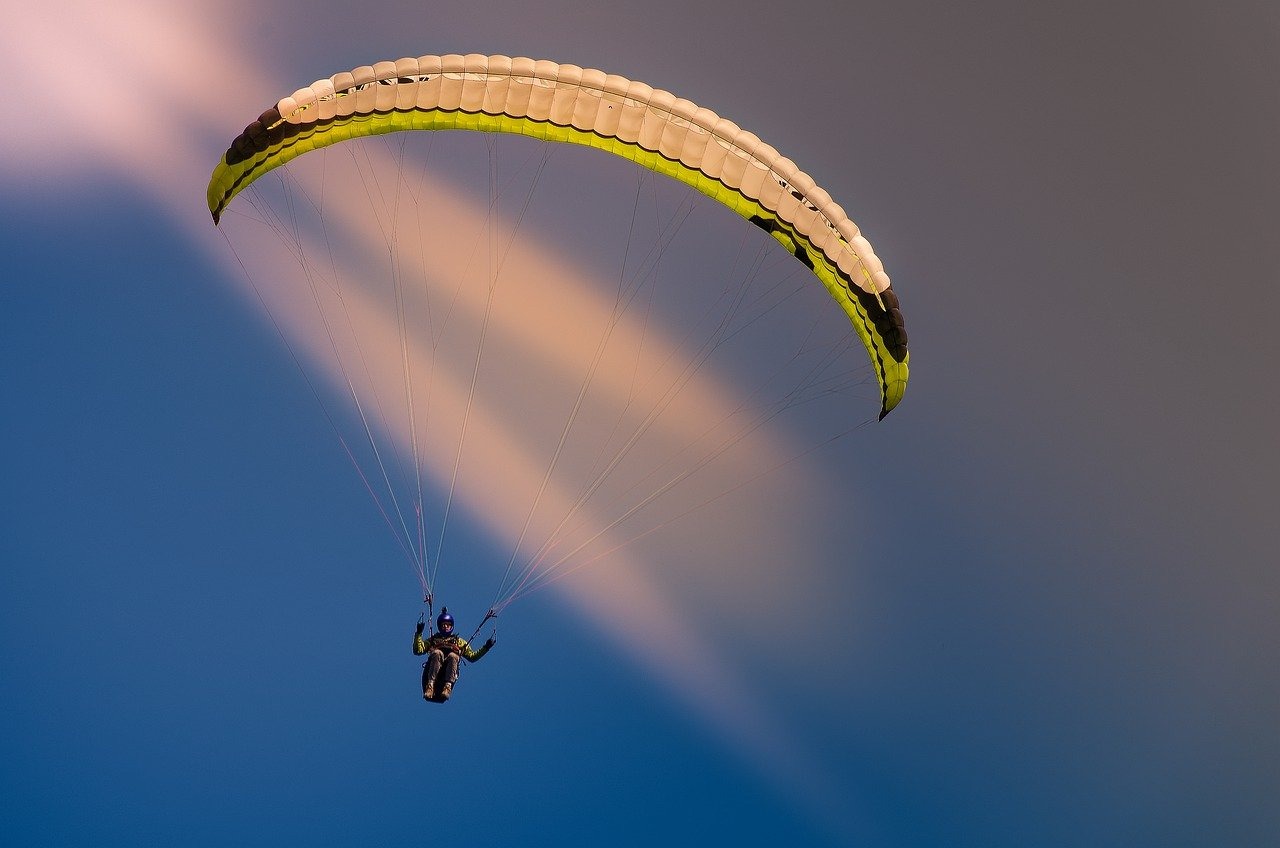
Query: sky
(1034, 605)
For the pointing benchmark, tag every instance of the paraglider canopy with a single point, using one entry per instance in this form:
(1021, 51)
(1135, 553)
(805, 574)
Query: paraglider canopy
(385, 263)
(566, 103)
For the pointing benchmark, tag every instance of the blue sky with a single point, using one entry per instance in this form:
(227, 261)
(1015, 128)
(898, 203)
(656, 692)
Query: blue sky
(1036, 605)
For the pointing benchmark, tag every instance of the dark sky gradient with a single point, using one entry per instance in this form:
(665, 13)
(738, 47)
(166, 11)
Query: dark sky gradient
(1048, 616)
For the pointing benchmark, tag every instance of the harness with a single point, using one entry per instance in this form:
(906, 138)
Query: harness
(446, 644)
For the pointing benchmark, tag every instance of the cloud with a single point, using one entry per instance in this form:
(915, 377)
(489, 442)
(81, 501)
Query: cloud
(92, 86)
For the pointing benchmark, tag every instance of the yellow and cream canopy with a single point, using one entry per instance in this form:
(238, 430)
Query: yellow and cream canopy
(565, 103)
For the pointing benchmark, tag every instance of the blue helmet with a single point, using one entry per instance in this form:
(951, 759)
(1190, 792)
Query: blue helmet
(444, 618)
